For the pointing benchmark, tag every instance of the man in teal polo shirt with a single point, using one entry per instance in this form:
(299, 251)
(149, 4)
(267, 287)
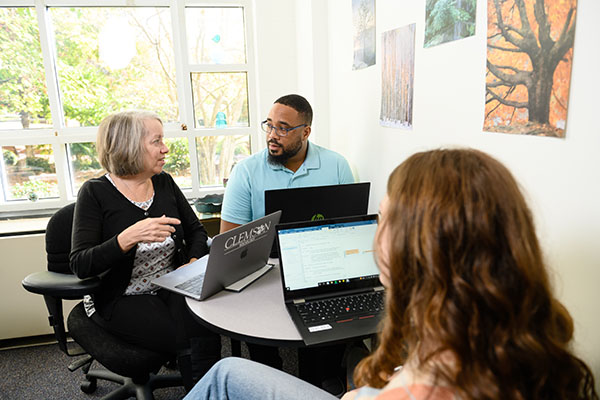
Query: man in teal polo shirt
(290, 160)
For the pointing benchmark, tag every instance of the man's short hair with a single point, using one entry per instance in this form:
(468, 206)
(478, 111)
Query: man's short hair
(299, 104)
(119, 142)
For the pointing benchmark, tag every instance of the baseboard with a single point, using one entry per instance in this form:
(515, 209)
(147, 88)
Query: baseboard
(28, 341)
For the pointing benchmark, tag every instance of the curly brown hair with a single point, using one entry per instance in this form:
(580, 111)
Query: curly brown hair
(468, 280)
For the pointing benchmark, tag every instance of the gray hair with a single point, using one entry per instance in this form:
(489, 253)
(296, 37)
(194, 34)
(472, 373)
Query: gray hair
(120, 142)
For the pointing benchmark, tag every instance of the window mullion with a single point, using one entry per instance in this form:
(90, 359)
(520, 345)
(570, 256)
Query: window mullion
(49, 59)
(194, 167)
(184, 88)
(48, 55)
(184, 91)
(254, 119)
(218, 67)
(62, 169)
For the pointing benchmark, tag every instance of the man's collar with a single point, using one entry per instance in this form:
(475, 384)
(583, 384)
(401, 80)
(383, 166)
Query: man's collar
(312, 159)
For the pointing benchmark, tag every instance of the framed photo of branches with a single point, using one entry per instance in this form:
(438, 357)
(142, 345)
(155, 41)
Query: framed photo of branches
(529, 59)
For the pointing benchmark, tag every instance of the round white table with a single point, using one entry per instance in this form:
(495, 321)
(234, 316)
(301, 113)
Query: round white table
(257, 314)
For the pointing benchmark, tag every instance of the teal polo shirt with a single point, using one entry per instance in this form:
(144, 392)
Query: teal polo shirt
(244, 199)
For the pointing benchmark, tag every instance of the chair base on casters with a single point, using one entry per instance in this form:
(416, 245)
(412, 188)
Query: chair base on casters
(131, 366)
(141, 390)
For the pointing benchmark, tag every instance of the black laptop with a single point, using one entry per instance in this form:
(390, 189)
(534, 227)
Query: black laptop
(330, 280)
(317, 202)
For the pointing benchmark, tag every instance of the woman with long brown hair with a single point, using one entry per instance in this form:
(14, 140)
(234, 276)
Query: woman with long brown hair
(470, 313)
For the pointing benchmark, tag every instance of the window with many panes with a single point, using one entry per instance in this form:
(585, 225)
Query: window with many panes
(64, 68)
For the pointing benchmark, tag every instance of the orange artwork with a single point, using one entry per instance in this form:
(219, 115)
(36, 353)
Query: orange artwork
(529, 58)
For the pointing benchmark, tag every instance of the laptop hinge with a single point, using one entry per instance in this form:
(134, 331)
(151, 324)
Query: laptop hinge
(379, 289)
(299, 301)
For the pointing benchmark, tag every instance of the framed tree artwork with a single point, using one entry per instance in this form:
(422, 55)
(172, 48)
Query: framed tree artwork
(529, 58)
(363, 22)
(449, 20)
(397, 77)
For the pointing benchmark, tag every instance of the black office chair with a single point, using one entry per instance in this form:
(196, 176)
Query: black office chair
(133, 367)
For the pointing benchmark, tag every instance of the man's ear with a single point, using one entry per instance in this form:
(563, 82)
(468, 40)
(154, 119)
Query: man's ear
(306, 132)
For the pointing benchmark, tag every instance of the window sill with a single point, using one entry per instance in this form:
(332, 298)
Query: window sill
(20, 226)
(23, 226)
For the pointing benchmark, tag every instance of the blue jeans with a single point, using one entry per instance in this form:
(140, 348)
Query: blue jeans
(237, 378)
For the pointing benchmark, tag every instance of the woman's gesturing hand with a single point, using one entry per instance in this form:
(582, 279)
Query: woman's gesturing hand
(148, 230)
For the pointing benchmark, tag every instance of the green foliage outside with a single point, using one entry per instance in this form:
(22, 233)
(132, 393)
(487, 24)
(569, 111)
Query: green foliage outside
(9, 158)
(41, 164)
(22, 89)
(177, 161)
(447, 20)
(91, 90)
(41, 188)
(86, 157)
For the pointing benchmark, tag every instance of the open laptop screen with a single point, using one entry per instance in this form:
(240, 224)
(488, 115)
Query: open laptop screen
(320, 254)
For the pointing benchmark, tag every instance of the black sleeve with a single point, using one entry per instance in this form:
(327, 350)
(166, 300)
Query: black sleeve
(195, 235)
(91, 254)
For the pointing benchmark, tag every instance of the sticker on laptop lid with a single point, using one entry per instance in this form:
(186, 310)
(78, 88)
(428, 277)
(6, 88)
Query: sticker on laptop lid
(313, 329)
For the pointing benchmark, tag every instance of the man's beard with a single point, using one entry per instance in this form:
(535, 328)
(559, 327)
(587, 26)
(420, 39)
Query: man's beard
(286, 153)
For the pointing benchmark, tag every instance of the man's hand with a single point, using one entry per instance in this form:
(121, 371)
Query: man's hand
(148, 230)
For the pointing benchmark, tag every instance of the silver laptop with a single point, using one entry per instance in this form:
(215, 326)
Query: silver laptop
(237, 258)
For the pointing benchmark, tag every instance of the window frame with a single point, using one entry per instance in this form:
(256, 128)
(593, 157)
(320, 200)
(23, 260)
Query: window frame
(60, 136)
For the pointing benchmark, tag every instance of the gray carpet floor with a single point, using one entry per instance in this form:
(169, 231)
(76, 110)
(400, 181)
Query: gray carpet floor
(40, 372)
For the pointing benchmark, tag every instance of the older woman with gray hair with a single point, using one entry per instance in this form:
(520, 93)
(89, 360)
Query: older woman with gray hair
(131, 225)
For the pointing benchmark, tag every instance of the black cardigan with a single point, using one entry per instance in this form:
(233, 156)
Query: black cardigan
(102, 212)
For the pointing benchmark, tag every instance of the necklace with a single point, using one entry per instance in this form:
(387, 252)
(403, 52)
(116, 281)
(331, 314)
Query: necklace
(145, 195)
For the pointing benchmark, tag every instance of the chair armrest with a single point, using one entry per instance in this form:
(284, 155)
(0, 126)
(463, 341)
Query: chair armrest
(55, 284)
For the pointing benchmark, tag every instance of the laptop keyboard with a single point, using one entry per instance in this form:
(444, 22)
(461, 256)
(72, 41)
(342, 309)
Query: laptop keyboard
(193, 285)
(341, 308)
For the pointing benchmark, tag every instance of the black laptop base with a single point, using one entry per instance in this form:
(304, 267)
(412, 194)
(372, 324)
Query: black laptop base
(345, 329)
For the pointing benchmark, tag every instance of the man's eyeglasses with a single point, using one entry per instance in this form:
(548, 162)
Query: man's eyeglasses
(268, 128)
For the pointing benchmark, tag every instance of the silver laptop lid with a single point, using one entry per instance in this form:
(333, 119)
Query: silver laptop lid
(239, 252)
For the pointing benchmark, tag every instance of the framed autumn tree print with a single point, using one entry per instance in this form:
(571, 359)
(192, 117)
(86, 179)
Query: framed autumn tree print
(529, 59)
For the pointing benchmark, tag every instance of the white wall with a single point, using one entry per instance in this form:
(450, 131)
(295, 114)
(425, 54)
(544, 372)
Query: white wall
(276, 52)
(293, 57)
(22, 313)
(561, 177)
